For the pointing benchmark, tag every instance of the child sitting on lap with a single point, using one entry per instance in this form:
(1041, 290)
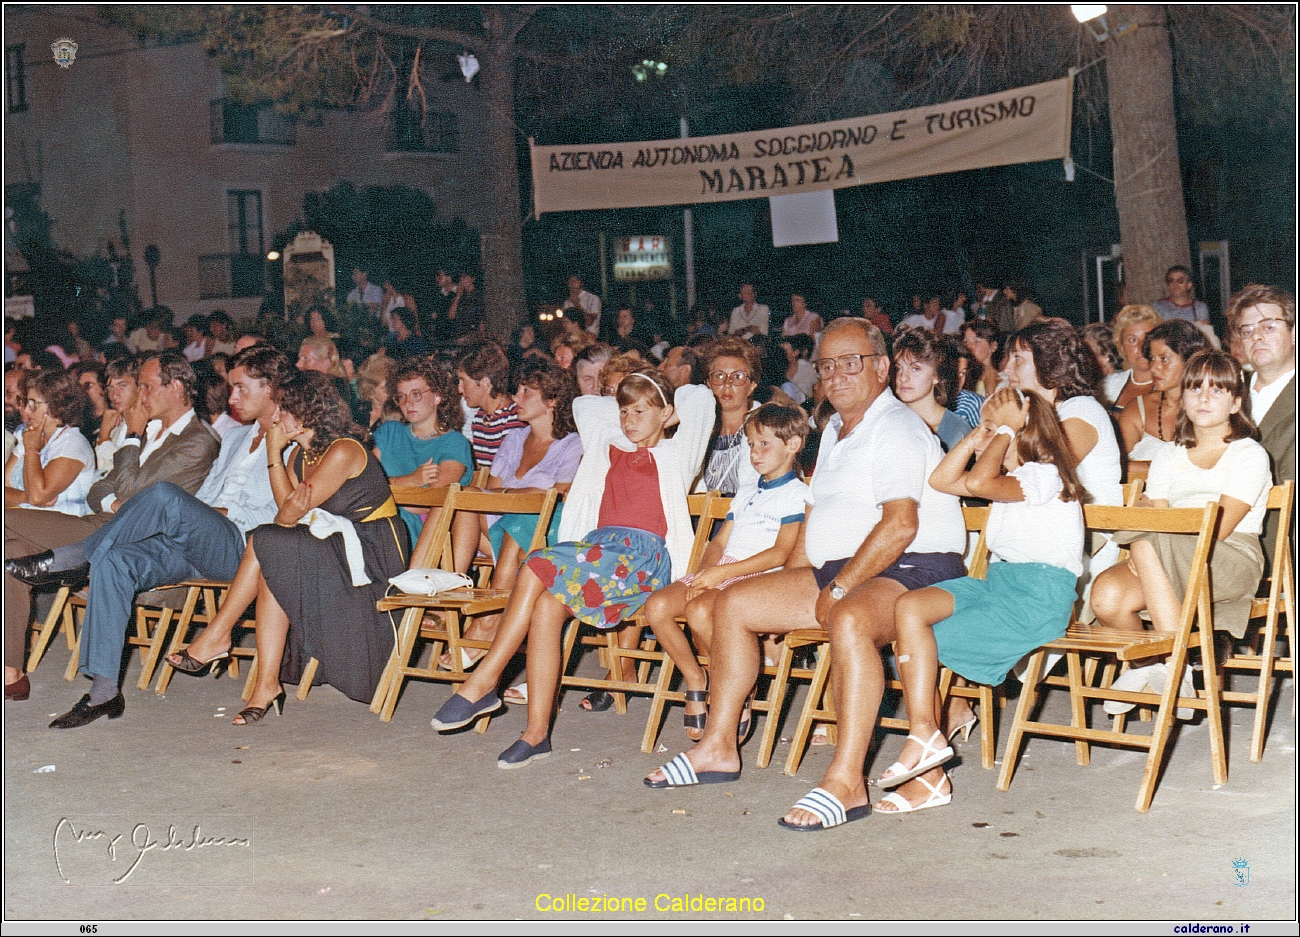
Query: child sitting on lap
(758, 534)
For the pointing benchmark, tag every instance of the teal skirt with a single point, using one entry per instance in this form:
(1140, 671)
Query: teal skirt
(521, 528)
(998, 620)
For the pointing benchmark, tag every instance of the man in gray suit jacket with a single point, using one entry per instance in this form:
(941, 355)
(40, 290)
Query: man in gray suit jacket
(168, 442)
(1264, 318)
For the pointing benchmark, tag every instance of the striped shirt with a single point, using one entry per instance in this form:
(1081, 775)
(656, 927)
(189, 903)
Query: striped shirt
(490, 429)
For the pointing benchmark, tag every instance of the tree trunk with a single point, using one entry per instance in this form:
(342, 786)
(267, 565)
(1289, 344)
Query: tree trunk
(1148, 180)
(503, 250)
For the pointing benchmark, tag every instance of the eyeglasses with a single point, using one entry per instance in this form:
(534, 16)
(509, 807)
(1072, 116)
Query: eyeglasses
(849, 364)
(735, 378)
(1264, 327)
(33, 403)
(414, 396)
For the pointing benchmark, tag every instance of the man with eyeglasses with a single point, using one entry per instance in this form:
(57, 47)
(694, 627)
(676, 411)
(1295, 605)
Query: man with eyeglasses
(1263, 317)
(876, 529)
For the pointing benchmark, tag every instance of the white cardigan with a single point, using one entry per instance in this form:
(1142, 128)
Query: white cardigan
(676, 460)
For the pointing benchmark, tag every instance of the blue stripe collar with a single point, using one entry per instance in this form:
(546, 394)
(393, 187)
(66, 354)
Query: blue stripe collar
(764, 484)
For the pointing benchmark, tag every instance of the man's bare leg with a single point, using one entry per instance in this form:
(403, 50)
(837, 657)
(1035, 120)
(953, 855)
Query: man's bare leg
(777, 602)
(860, 624)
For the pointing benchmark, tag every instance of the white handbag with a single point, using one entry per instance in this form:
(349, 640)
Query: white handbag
(430, 581)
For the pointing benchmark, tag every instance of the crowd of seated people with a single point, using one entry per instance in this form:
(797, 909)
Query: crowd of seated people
(847, 453)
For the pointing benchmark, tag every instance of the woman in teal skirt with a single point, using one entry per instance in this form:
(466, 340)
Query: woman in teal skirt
(980, 627)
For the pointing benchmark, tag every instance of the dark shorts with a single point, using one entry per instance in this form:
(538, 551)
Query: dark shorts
(911, 570)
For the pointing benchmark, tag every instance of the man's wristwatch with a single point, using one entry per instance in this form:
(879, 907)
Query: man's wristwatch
(837, 591)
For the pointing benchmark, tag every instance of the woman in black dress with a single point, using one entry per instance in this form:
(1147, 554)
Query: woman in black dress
(318, 570)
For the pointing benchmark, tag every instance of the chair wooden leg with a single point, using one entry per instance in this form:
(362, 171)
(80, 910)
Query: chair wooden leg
(989, 730)
(658, 703)
(616, 667)
(1078, 708)
(72, 617)
(308, 675)
(815, 691)
(153, 650)
(1213, 703)
(406, 635)
(48, 629)
(1025, 706)
(1164, 722)
(251, 681)
(775, 703)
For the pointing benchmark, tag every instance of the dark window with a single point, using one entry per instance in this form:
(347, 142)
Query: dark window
(15, 88)
(407, 133)
(230, 122)
(244, 221)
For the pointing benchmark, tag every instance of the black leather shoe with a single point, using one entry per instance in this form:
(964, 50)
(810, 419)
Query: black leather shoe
(35, 571)
(83, 713)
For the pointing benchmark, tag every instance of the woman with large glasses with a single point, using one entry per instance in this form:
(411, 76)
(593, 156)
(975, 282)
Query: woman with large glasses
(733, 372)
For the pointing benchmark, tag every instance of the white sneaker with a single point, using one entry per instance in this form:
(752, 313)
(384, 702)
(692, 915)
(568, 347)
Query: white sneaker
(1133, 680)
(1159, 679)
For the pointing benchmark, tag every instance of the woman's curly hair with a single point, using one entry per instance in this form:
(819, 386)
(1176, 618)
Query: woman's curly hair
(315, 402)
(440, 381)
(1063, 362)
(936, 351)
(63, 396)
(557, 386)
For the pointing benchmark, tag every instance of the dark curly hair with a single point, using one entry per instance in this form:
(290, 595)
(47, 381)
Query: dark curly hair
(1181, 337)
(557, 386)
(936, 351)
(315, 402)
(440, 381)
(486, 359)
(64, 397)
(1063, 362)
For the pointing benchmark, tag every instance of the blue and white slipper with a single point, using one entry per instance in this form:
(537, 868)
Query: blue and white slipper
(826, 807)
(681, 773)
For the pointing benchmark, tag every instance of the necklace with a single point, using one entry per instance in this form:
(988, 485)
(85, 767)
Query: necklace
(1137, 383)
(1160, 418)
(437, 431)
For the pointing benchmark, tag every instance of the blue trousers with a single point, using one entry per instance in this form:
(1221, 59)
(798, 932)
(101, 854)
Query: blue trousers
(161, 536)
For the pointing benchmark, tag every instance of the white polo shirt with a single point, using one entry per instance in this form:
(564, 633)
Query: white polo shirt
(887, 457)
(759, 509)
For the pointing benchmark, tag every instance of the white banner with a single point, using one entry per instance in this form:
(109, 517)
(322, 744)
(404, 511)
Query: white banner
(1018, 126)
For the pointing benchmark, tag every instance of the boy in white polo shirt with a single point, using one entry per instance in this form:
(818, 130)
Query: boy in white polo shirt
(758, 534)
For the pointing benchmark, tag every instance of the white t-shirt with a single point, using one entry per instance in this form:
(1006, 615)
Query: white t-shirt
(758, 511)
(1242, 472)
(887, 457)
(372, 294)
(1040, 529)
(66, 443)
(953, 320)
(589, 303)
(1099, 471)
(757, 318)
(918, 321)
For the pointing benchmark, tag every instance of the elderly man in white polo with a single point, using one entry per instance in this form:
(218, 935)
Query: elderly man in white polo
(876, 529)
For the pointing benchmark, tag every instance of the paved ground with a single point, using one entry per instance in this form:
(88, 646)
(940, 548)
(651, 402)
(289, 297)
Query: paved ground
(336, 815)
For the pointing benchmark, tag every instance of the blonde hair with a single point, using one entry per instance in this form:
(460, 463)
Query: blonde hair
(322, 347)
(1133, 312)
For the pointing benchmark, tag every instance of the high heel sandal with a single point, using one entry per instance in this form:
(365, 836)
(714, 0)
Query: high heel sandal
(964, 728)
(696, 721)
(255, 714)
(187, 663)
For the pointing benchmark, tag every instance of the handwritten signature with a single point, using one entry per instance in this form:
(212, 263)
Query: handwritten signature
(139, 842)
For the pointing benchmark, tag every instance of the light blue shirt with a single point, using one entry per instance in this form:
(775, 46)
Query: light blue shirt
(240, 482)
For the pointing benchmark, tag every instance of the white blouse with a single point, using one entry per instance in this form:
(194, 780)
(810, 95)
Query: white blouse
(66, 443)
(1099, 471)
(1040, 529)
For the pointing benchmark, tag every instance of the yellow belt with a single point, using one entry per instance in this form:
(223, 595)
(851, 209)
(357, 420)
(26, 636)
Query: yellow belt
(387, 509)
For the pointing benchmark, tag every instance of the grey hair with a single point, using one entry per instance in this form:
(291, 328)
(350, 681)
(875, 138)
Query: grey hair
(864, 326)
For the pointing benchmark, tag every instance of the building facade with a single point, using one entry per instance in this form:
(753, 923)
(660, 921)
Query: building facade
(148, 134)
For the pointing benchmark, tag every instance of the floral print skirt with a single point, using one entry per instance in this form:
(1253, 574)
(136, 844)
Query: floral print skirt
(605, 579)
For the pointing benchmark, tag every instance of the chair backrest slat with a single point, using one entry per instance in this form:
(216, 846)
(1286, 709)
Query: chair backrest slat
(977, 520)
(1160, 520)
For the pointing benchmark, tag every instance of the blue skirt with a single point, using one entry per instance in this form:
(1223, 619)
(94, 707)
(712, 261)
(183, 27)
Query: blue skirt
(998, 620)
(521, 528)
(606, 578)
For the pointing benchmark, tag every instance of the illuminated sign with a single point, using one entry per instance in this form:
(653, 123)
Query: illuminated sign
(643, 258)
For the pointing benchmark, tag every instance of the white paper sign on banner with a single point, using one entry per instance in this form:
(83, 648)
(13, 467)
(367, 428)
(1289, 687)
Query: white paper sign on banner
(805, 218)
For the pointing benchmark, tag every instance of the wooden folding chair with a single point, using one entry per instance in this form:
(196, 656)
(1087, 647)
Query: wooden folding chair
(819, 705)
(612, 655)
(155, 610)
(212, 593)
(455, 605)
(1080, 642)
(1279, 601)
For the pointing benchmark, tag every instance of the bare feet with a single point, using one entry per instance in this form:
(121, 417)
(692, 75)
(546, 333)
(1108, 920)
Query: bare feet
(848, 794)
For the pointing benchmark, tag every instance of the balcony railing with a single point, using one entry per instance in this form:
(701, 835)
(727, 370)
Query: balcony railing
(250, 123)
(230, 276)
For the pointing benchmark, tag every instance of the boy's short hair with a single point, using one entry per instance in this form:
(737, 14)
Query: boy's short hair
(786, 423)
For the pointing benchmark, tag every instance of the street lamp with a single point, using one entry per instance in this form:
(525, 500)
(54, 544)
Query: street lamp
(1093, 15)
